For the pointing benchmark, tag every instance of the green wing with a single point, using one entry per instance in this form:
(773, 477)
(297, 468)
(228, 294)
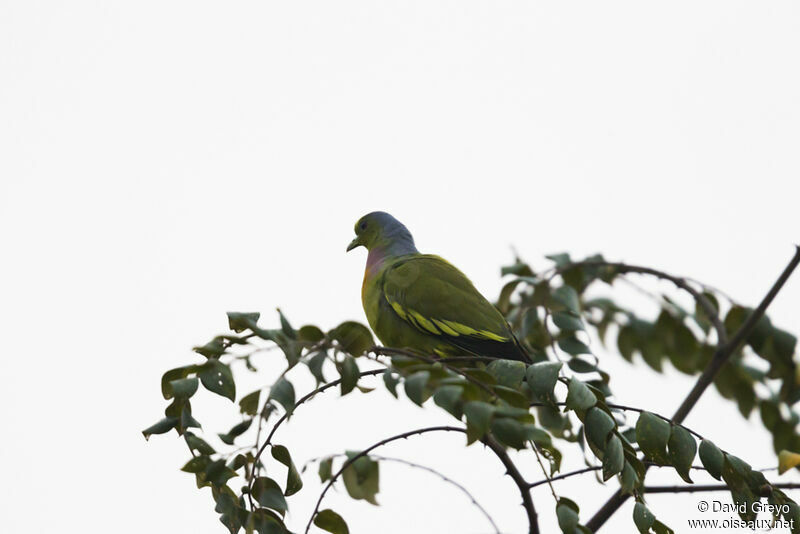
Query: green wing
(439, 300)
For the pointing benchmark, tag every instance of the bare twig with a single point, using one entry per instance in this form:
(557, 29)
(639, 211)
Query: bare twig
(447, 479)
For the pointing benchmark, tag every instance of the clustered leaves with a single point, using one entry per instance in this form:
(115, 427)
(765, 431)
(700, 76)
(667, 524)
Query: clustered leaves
(562, 397)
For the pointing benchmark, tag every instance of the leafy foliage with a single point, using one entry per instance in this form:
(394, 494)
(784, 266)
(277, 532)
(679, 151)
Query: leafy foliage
(561, 399)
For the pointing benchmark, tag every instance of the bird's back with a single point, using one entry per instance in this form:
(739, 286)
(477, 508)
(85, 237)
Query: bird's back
(421, 301)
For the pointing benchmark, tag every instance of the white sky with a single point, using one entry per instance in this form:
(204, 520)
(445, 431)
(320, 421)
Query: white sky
(163, 162)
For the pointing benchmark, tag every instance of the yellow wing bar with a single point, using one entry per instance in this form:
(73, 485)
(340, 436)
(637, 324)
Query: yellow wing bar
(441, 326)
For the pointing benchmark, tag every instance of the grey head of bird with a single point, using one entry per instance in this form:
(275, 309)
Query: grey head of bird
(381, 232)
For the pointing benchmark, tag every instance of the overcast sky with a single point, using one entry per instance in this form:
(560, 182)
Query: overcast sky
(164, 162)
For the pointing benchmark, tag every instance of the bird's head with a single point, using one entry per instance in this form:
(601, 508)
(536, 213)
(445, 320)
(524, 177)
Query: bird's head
(380, 230)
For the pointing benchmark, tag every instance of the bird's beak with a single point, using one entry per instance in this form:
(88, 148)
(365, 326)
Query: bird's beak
(353, 244)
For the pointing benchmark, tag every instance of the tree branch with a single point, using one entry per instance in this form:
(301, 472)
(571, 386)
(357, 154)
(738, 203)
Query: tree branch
(721, 356)
(724, 351)
(522, 484)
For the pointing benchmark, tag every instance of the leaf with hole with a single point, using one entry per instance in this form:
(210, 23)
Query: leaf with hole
(217, 378)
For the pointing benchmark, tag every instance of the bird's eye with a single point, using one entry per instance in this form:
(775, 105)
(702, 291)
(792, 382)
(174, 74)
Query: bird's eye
(363, 226)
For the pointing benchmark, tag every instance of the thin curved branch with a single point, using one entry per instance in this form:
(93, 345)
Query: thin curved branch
(285, 416)
(498, 449)
(365, 452)
(447, 479)
(628, 409)
(624, 268)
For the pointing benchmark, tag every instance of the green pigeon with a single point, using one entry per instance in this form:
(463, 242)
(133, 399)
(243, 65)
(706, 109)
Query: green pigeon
(422, 302)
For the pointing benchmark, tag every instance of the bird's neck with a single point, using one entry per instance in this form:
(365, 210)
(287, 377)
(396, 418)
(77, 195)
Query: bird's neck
(380, 253)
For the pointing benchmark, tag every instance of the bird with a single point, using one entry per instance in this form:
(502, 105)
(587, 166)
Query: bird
(422, 302)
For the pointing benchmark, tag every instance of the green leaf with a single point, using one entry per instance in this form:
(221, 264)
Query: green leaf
(643, 518)
(286, 327)
(330, 521)
(448, 397)
(310, 334)
(283, 392)
(507, 372)
(568, 298)
(198, 464)
(268, 493)
(613, 457)
(293, 481)
(217, 378)
(519, 268)
(567, 321)
(239, 322)
(362, 478)
(574, 346)
(542, 377)
(213, 349)
(249, 403)
(509, 432)
(580, 365)
(652, 435)
(198, 444)
(325, 469)
(415, 387)
(315, 364)
(627, 342)
(479, 414)
(163, 426)
(712, 458)
(217, 473)
(629, 480)
(598, 425)
(353, 337)
(263, 521)
(173, 375)
(682, 449)
(579, 396)
(390, 380)
(567, 513)
(348, 369)
(236, 431)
